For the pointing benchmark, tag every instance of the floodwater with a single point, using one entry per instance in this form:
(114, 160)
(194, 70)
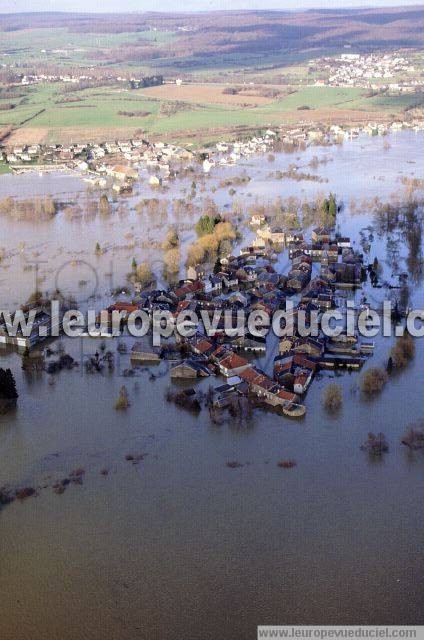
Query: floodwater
(179, 545)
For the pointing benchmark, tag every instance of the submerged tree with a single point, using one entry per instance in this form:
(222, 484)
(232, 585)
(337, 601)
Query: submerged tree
(7, 385)
(332, 397)
(217, 266)
(376, 445)
(123, 400)
(206, 224)
(414, 436)
(8, 393)
(104, 206)
(172, 239)
(402, 351)
(171, 261)
(373, 380)
(332, 206)
(144, 274)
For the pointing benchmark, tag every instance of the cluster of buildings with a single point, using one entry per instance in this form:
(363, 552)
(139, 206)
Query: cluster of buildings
(120, 160)
(27, 79)
(356, 70)
(40, 78)
(230, 152)
(303, 134)
(308, 134)
(250, 282)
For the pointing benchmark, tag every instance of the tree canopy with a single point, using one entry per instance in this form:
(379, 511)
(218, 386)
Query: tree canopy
(7, 385)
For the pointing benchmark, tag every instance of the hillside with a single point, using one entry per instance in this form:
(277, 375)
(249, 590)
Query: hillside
(211, 39)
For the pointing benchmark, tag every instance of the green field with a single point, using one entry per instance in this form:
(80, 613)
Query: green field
(320, 97)
(99, 109)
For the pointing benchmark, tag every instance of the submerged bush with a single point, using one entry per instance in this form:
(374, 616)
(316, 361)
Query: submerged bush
(375, 444)
(403, 351)
(373, 380)
(332, 397)
(123, 400)
(414, 436)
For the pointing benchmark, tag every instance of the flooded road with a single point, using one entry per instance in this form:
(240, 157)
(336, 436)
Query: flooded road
(179, 545)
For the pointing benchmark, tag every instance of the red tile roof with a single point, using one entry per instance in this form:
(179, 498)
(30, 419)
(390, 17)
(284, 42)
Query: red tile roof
(303, 361)
(123, 306)
(301, 379)
(233, 361)
(182, 306)
(190, 287)
(287, 395)
(202, 346)
(249, 375)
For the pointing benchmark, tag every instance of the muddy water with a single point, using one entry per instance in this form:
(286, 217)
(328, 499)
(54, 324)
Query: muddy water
(180, 545)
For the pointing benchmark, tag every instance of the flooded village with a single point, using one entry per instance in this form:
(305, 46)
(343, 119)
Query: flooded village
(322, 266)
(246, 226)
(211, 321)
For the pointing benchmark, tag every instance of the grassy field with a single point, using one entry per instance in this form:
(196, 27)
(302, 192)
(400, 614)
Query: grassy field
(62, 47)
(206, 94)
(102, 113)
(319, 97)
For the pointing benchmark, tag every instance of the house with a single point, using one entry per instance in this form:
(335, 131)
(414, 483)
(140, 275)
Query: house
(225, 393)
(294, 237)
(301, 367)
(154, 181)
(251, 275)
(309, 346)
(266, 389)
(190, 368)
(321, 299)
(196, 272)
(121, 188)
(302, 381)
(232, 365)
(272, 234)
(213, 284)
(183, 306)
(202, 347)
(307, 362)
(249, 342)
(277, 235)
(343, 243)
(238, 298)
(287, 397)
(321, 234)
(297, 280)
(141, 353)
(189, 289)
(258, 244)
(257, 219)
(346, 273)
(44, 326)
(229, 280)
(123, 172)
(283, 364)
(128, 307)
(207, 165)
(339, 361)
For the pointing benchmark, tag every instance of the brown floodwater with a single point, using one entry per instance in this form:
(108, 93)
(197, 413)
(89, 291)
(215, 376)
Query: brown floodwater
(179, 545)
